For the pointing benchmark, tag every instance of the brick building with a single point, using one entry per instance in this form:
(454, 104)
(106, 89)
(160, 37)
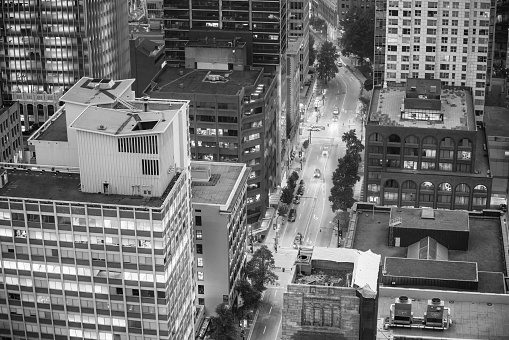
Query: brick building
(423, 149)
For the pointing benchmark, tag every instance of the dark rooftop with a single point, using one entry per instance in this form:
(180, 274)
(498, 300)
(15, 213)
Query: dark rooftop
(56, 129)
(193, 81)
(64, 186)
(148, 47)
(443, 219)
(423, 104)
(497, 121)
(445, 270)
(490, 282)
(484, 245)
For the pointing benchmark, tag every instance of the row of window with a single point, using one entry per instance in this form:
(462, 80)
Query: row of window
(82, 271)
(50, 330)
(433, 48)
(434, 4)
(431, 141)
(427, 198)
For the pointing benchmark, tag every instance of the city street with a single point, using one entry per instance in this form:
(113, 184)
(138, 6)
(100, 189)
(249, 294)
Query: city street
(314, 215)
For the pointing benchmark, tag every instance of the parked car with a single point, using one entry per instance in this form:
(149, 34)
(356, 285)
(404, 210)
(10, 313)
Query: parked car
(336, 111)
(292, 215)
(298, 240)
(296, 199)
(321, 127)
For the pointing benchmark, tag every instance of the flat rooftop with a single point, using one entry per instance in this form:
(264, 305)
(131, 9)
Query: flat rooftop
(484, 245)
(193, 81)
(474, 316)
(55, 129)
(433, 269)
(62, 186)
(124, 122)
(496, 120)
(443, 219)
(221, 185)
(457, 109)
(93, 91)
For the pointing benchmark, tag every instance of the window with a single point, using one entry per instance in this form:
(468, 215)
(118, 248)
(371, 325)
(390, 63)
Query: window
(417, 48)
(199, 248)
(200, 276)
(199, 262)
(430, 48)
(201, 301)
(201, 289)
(197, 221)
(199, 234)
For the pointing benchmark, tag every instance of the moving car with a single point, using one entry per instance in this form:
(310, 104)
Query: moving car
(292, 215)
(301, 182)
(321, 127)
(298, 239)
(336, 111)
(335, 119)
(300, 191)
(317, 173)
(296, 199)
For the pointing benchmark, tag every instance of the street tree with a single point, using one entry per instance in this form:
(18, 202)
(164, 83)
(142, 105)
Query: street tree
(260, 269)
(251, 298)
(287, 195)
(353, 144)
(289, 126)
(223, 325)
(327, 57)
(283, 209)
(305, 144)
(317, 23)
(312, 51)
(294, 177)
(358, 33)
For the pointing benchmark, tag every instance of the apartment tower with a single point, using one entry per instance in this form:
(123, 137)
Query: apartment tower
(47, 46)
(446, 40)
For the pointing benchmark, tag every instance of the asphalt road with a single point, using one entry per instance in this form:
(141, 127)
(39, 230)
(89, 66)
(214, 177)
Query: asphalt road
(314, 213)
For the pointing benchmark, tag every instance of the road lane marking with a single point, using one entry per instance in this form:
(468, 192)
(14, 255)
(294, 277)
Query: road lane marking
(279, 327)
(270, 310)
(275, 293)
(264, 329)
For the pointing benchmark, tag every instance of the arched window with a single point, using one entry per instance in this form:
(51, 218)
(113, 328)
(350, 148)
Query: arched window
(462, 192)
(376, 137)
(391, 190)
(465, 143)
(30, 109)
(394, 139)
(426, 192)
(463, 188)
(408, 185)
(40, 110)
(411, 140)
(447, 142)
(480, 189)
(444, 195)
(408, 193)
(428, 186)
(445, 187)
(429, 141)
(391, 183)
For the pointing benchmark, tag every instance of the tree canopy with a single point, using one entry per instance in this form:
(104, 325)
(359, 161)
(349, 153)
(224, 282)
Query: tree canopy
(317, 23)
(346, 174)
(312, 51)
(327, 57)
(223, 325)
(358, 33)
(250, 297)
(260, 269)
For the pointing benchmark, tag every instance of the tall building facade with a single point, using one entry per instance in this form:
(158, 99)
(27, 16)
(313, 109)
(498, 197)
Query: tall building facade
(46, 47)
(265, 21)
(435, 40)
(103, 251)
(220, 230)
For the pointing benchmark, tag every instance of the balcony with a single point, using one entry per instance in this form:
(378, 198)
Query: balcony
(37, 97)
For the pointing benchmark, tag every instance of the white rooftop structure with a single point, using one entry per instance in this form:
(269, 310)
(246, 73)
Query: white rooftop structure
(366, 265)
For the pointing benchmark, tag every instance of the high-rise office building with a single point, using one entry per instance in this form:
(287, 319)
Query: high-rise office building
(261, 23)
(435, 40)
(103, 251)
(47, 46)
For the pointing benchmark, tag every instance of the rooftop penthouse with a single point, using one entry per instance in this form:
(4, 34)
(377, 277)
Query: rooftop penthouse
(423, 103)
